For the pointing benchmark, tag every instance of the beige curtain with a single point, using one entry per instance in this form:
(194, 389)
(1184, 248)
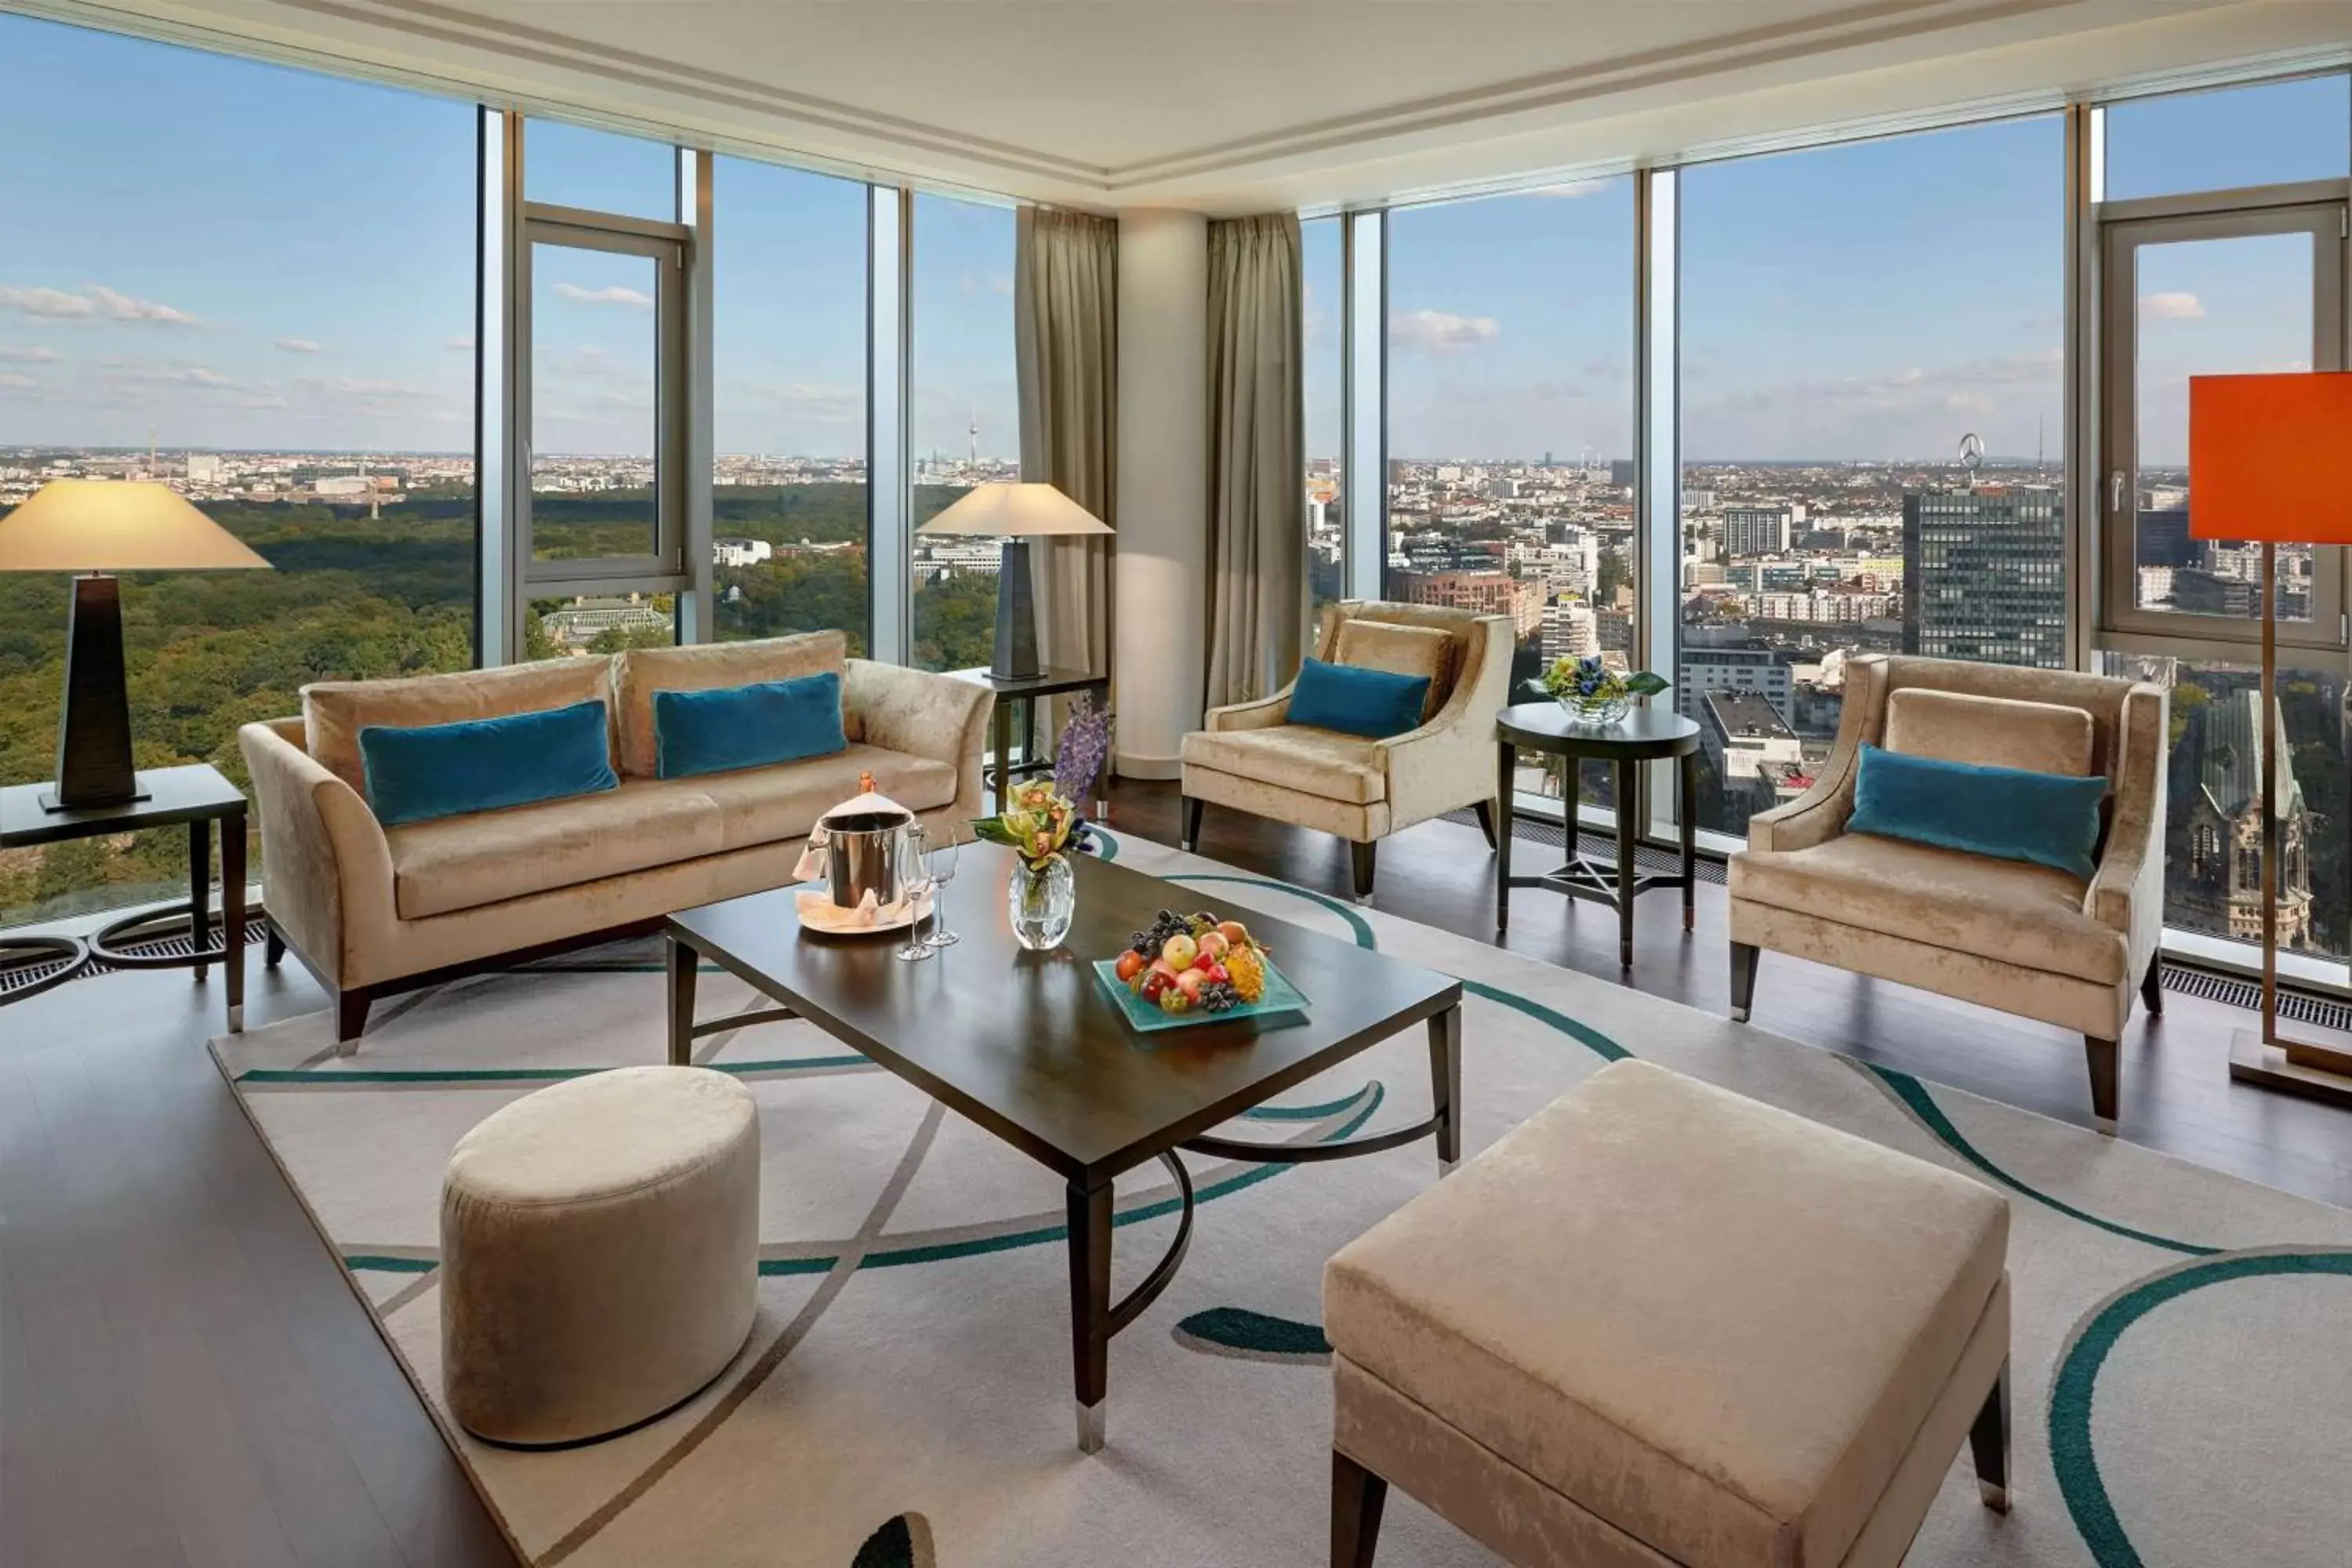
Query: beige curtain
(1257, 522)
(1065, 330)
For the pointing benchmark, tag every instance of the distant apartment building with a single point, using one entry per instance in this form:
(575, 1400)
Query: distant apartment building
(1570, 630)
(2163, 537)
(1984, 575)
(1757, 759)
(740, 551)
(1615, 630)
(1704, 672)
(1755, 530)
(1488, 593)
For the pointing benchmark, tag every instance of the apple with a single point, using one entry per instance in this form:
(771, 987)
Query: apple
(1157, 983)
(1212, 944)
(1210, 970)
(1129, 963)
(1190, 983)
(1236, 933)
(1179, 951)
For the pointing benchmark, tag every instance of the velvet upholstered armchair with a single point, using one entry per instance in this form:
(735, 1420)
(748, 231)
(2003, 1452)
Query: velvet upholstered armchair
(2026, 939)
(1252, 758)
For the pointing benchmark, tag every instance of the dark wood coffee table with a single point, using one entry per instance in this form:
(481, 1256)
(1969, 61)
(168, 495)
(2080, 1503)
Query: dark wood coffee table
(1027, 1046)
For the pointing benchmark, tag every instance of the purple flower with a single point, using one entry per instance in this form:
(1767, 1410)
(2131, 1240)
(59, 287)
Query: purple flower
(1085, 748)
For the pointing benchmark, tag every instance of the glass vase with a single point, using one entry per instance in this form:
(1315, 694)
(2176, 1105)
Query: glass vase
(1596, 712)
(1042, 899)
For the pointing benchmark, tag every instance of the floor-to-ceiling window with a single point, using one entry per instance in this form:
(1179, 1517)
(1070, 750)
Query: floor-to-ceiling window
(1323, 370)
(1511, 421)
(256, 285)
(964, 417)
(1873, 434)
(2239, 268)
(788, 512)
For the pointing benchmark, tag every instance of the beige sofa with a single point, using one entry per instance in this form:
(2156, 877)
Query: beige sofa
(372, 910)
(1252, 758)
(2025, 939)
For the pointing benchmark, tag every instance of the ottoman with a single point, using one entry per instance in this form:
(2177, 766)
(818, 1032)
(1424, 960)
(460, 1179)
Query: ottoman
(1658, 1323)
(599, 1252)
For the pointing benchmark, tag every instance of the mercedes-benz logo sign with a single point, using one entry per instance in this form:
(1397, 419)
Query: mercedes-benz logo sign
(1973, 451)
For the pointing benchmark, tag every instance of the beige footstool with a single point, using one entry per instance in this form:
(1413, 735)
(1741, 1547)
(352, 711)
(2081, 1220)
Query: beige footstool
(1662, 1324)
(600, 1245)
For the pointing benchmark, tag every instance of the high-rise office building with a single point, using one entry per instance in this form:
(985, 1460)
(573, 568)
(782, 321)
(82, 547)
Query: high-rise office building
(1755, 530)
(1984, 574)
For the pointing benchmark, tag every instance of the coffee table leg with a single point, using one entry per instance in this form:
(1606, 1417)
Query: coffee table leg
(1629, 808)
(684, 967)
(232, 832)
(1090, 1309)
(1689, 767)
(1446, 1086)
(1506, 778)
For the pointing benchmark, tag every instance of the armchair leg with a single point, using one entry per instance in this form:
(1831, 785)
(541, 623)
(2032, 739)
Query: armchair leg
(351, 1020)
(1489, 814)
(273, 946)
(1744, 955)
(1357, 1496)
(1189, 839)
(2151, 986)
(1362, 855)
(2102, 1056)
(1988, 1444)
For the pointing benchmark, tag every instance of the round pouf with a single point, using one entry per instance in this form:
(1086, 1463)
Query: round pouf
(600, 1252)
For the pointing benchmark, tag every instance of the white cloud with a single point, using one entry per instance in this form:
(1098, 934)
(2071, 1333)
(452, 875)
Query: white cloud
(1440, 331)
(1570, 190)
(636, 300)
(2172, 307)
(463, 345)
(362, 387)
(196, 375)
(19, 353)
(61, 305)
(12, 379)
(300, 346)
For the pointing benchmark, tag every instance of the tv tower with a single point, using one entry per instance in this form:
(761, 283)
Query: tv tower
(975, 435)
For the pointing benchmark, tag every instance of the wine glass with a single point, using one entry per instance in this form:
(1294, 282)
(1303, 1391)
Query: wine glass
(943, 870)
(914, 882)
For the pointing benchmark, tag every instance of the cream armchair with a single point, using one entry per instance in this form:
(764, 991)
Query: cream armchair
(1252, 758)
(2024, 939)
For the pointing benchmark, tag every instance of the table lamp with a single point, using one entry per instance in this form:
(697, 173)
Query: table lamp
(96, 527)
(1016, 513)
(2269, 458)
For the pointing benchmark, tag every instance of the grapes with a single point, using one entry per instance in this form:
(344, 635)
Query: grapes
(1219, 997)
(1153, 937)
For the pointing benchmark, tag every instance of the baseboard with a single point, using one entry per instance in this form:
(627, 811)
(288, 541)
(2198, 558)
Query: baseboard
(1130, 766)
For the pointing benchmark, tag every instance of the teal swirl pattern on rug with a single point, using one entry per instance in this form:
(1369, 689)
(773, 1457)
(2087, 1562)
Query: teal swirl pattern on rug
(2071, 1451)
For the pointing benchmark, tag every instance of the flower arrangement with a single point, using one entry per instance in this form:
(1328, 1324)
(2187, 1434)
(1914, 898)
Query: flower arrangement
(1037, 824)
(1079, 760)
(1592, 692)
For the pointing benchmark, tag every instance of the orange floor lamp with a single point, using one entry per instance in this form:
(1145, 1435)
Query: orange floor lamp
(2270, 459)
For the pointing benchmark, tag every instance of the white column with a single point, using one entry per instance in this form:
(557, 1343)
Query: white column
(1160, 612)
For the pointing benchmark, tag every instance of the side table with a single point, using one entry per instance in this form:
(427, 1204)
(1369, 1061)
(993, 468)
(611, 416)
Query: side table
(1644, 735)
(1025, 691)
(196, 795)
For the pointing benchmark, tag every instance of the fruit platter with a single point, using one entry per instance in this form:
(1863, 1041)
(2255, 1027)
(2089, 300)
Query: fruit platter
(1197, 969)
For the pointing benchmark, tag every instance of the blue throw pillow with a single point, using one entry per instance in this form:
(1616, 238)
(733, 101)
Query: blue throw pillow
(2045, 819)
(1356, 702)
(479, 764)
(730, 727)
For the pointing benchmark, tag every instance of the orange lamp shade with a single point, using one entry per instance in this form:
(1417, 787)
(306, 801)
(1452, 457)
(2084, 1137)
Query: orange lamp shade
(2270, 457)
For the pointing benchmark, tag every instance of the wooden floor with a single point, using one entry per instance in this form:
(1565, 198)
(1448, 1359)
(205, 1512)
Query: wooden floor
(186, 1377)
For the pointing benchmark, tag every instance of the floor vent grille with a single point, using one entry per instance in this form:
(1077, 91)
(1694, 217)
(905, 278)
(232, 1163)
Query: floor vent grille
(2233, 991)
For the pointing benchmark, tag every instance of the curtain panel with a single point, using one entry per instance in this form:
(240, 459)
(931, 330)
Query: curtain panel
(1257, 523)
(1066, 332)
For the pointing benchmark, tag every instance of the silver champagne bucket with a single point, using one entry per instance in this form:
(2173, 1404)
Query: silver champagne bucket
(863, 852)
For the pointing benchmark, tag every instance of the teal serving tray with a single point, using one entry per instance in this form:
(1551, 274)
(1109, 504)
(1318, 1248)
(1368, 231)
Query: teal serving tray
(1282, 1003)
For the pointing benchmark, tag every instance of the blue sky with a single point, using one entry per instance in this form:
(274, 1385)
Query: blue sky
(239, 255)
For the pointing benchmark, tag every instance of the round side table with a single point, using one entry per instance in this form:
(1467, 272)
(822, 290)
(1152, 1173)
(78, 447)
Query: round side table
(1644, 735)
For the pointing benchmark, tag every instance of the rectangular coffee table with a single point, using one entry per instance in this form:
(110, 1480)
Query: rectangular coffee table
(1027, 1046)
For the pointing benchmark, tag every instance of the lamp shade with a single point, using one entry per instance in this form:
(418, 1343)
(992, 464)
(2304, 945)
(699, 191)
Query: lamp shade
(1012, 512)
(2270, 457)
(115, 525)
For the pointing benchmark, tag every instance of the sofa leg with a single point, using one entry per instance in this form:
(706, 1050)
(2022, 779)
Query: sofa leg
(1360, 857)
(351, 1020)
(1744, 955)
(2151, 986)
(273, 946)
(1988, 1444)
(1357, 1496)
(1188, 838)
(1489, 814)
(2102, 1056)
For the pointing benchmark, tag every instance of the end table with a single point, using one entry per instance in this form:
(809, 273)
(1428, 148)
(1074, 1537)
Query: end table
(1025, 691)
(196, 795)
(1644, 735)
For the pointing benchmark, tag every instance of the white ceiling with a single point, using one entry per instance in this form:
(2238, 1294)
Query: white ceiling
(1236, 105)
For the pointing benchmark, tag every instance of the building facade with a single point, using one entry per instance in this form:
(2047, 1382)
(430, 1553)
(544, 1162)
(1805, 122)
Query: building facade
(1984, 575)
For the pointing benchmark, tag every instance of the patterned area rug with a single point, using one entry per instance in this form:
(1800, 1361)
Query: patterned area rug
(2182, 1361)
